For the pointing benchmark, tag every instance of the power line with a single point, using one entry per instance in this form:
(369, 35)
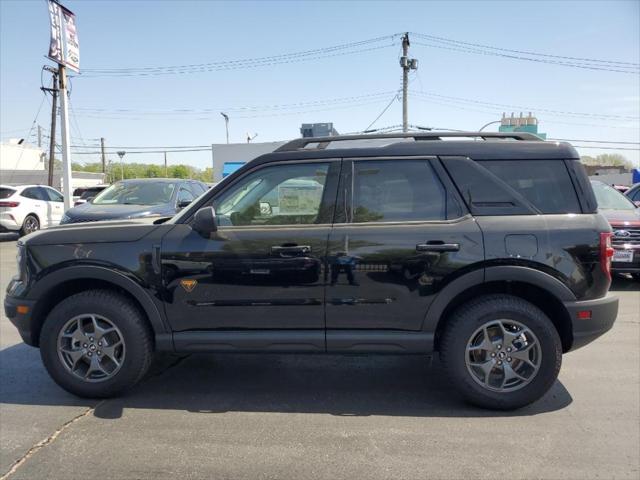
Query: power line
(306, 55)
(394, 98)
(592, 60)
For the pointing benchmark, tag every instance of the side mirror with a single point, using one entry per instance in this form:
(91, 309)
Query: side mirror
(184, 203)
(204, 222)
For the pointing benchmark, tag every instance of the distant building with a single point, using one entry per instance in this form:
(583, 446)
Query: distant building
(22, 164)
(317, 130)
(528, 124)
(16, 156)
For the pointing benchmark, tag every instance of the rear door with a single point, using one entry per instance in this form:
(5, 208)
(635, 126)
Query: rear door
(37, 204)
(399, 237)
(265, 266)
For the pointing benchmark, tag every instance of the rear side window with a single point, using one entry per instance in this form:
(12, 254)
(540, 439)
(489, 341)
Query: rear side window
(6, 192)
(544, 183)
(35, 193)
(397, 190)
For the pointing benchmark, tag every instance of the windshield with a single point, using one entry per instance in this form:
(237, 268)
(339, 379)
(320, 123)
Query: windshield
(136, 193)
(610, 199)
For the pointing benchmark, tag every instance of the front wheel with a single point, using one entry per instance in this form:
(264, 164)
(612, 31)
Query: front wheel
(96, 344)
(501, 352)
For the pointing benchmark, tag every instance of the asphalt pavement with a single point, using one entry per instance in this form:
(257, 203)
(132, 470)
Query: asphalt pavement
(321, 416)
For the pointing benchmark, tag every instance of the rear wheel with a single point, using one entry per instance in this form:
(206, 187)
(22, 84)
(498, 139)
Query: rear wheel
(31, 224)
(96, 344)
(501, 351)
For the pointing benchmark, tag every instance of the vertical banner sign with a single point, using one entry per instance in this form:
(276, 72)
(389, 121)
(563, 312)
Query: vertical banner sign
(64, 47)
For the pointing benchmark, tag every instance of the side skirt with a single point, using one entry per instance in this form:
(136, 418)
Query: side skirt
(301, 341)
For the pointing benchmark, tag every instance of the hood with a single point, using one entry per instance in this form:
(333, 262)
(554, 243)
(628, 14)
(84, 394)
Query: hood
(94, 232)
(622, 217)
(90, 212)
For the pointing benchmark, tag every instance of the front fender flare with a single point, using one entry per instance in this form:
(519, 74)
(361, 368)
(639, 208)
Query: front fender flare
(93, 272)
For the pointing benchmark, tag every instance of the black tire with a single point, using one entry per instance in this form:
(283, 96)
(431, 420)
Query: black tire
(122, 313)
(29, 225)
(473, 315)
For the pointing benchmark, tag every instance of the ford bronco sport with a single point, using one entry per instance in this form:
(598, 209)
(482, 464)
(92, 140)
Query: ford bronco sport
(485, 248)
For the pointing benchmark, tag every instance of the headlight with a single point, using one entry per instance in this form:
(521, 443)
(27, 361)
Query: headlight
(21, 261)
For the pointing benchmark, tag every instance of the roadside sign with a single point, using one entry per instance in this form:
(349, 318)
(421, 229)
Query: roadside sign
(64, 48)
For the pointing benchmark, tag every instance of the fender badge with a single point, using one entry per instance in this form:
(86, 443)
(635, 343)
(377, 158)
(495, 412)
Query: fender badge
(188, 284)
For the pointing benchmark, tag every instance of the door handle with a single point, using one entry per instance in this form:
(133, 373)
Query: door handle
(283, 250)
(437, 247)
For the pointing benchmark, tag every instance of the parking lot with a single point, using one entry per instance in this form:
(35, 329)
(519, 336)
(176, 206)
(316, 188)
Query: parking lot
(305, 417)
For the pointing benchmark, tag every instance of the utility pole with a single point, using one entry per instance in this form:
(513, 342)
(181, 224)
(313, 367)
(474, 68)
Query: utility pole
(226, 124)
(407, 64)
(66, 144)
(213, 165)
(52, 133)
(104, 156)
(166, 172)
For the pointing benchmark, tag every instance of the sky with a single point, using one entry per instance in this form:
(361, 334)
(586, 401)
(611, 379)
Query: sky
(454, 87)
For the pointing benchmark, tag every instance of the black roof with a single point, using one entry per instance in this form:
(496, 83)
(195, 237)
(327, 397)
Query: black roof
(476, 145)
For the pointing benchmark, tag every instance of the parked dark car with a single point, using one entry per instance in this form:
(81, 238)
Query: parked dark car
(487, 248)
(633, 194)
(87, 194)
(143, 197)
(624, 217)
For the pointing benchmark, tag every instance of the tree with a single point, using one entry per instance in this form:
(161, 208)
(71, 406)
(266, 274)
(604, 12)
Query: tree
(607, 160)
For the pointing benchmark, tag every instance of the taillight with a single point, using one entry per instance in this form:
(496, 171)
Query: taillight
(606, 253)
(9, 204)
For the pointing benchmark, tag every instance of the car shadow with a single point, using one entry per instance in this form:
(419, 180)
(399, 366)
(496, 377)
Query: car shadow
(342, 385)
(624, 283)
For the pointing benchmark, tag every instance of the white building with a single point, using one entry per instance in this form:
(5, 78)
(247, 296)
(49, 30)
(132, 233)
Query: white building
(15, 156)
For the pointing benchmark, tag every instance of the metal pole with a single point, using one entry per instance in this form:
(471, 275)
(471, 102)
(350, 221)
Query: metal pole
(104, 157)
(66, 144)
(213, 165)
(166, 174)
(52, 133)
(226, 124)
(405, 82)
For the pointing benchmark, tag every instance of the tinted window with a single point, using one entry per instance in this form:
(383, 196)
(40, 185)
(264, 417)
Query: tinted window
(53, 195)
(609, 198)
(397, 190)
(276, 195)
(34, 193)
(6, 192)
(185, 195)
(544, 183)
(636, 194)
(136, 193)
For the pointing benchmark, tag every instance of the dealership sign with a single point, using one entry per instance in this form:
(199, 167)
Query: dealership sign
(64, 48)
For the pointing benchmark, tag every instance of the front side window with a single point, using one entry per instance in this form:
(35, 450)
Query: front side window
(276, 195)
(53, 195)
(136, 193)
(397, 190)
(185, 195)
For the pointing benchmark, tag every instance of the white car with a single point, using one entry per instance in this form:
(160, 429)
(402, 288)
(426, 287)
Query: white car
(28, 208)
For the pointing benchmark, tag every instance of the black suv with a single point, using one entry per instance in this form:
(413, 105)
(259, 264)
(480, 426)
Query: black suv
(486, 248)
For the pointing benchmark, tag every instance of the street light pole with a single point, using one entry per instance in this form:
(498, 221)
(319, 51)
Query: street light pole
(226, 124)
(121, 154)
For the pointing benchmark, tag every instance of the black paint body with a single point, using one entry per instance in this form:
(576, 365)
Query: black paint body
(345, 286)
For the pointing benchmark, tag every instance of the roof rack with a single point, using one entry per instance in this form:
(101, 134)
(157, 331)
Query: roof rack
(323, 142)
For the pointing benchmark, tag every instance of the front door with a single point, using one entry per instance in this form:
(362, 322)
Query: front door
(403, 234)
(265, 266)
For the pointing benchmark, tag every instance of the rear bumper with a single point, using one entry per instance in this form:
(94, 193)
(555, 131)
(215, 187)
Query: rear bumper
(603, 315)
(8, 224)
(22, 321)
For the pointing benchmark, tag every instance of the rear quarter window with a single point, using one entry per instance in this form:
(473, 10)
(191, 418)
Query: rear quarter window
(544, 183)
(6, 192)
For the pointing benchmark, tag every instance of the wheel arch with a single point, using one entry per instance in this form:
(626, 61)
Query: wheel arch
(63, 283)
(539, 288)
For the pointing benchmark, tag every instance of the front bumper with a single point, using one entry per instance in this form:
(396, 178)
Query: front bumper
(603, 315)
(22, 321)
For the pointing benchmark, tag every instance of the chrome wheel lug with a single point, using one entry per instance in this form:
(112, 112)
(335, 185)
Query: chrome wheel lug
(99, 344)
(89, 353)
(493, 355)
(85, 345)
(508, 359)
(499, 361)
(91, 339)
(509, 349)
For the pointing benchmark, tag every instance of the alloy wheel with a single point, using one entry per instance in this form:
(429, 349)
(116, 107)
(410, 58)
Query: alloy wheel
(503, 355)
(91, 348)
